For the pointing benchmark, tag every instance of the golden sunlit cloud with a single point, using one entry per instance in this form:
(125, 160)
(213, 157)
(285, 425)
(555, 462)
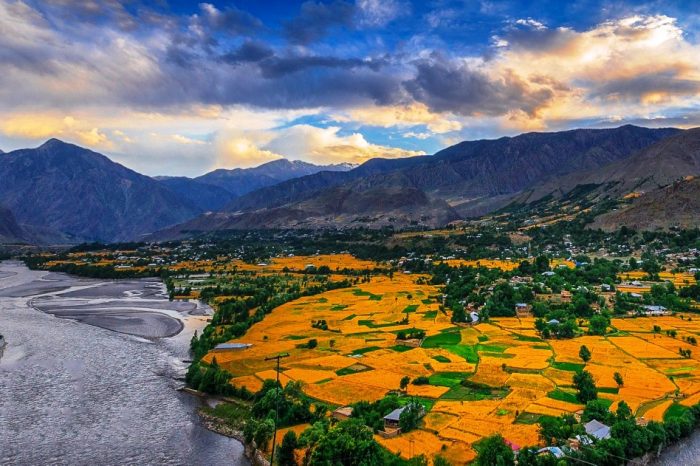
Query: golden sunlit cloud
(402, 116)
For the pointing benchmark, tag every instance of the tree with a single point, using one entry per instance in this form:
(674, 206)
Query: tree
(263, 433)
(598, 325)
(618, 379)
(495, 452)
(584, 353)
(405, 380)
(410, 416)
(587, 391)
(285, 453)
(349, 443)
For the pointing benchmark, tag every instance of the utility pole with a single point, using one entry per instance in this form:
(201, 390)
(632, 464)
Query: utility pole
(277, 401)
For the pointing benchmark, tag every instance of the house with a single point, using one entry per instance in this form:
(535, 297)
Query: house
(565, 296)
(342, 413)
(553, 322)
(522, 310)
(232, 346)
(597, 430)
(548, 273)
(554, 451)
(655, 310)
(391, 420)
(474, 316)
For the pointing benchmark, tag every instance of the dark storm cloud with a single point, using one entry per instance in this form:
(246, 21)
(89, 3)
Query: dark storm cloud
(279, 66)
(635, 88)
(317, 18)
(249, 51)
(455, 87)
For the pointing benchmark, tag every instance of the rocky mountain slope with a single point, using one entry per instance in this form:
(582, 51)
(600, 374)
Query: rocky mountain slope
(10, 231)
(240, 181)
(676, 205)
(468, 179)
(75, 191)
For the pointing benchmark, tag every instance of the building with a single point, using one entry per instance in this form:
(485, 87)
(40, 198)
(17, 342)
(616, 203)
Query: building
(391, 420)
(343, 413)
(597, 430)
(523, 310)
(232, 346)
(565, 296)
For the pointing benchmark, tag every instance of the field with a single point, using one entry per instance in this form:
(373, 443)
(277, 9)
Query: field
(496, 377)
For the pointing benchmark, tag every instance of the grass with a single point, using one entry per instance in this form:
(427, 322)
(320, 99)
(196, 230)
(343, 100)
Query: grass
(350, 317)
(442, 339)
(483, 338)
(440, 358)
(613, 390)
(401, 348)
(541, 347)
(531, 418)
(520, 337)
(561, 395)
(447, 379)
(372, 296)
(371, 324)
(568, 366)
(366, 349)
(354, 369)
(234, 415)
(410, 308)
(426, 301)
(430, 315)
(470, 391)
(491, 348)
(674, 411)
(467, 352)
(339, 307)
(296, 337)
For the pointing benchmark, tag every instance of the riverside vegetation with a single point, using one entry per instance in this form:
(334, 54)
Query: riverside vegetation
(509, 339)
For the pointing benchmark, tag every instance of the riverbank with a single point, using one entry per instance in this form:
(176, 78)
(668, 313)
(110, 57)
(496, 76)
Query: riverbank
(72, 393)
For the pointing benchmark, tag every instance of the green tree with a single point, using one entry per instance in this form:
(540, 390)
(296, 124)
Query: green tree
(495, 452)
(285, 453)
(405, 380)
(410, 416)
(587, 391)
(348, 443)
(598, 324)
(584, 353)
(618, 379)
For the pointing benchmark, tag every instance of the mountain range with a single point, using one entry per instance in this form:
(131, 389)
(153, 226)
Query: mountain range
(61, 192)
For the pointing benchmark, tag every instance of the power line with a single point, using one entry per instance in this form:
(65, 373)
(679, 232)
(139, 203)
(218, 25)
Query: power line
(277, 401)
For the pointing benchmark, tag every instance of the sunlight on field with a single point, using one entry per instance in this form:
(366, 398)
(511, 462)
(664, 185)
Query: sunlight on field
(496, 377)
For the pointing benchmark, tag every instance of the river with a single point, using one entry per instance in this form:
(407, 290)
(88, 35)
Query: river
(91, 370)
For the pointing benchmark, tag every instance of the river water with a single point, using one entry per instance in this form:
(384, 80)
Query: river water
(92, 377)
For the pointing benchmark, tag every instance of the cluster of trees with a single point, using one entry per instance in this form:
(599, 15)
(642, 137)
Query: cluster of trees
(627, 441)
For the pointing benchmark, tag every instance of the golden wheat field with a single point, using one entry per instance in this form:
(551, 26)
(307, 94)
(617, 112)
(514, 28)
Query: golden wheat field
(496, 377)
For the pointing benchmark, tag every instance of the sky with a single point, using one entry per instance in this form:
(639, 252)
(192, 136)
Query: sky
(172, 87)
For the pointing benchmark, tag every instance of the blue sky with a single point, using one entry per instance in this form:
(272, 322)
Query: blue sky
(180, 88)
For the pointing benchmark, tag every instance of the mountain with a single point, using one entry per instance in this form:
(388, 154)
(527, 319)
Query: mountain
(659, 165)
(240, 181)
(676, 205)
(468, 179)
(205, 197)
(10, 231)
(83, 194)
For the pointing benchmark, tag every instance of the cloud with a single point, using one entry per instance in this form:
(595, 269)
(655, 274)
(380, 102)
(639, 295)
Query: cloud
(316, 19)
(39, 127)
(231, 20)
(378, 13)
(249, 51)
(326, 145)
(401, 116)
(456, 86)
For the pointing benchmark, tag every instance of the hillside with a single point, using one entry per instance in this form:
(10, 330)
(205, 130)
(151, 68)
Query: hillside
(77, 192)
(240, 181)
(10, 231)
(468, 179)
(205, 197)
(677, 205)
